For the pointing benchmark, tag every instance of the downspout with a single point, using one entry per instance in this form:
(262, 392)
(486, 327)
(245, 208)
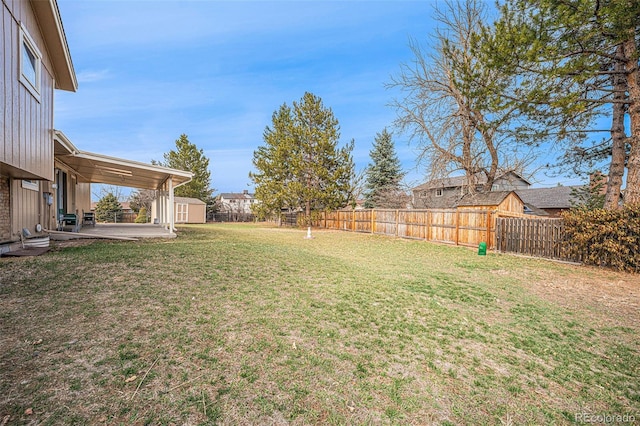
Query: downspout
(170, 207)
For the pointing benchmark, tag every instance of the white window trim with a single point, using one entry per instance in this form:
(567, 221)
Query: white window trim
(31, 185)
(26, 40)
(439, 192)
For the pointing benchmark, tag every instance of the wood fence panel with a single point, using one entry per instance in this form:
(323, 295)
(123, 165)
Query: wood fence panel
(443, 226)
(363, 220)
(342, 222)
(412, 224)
(533, 237)
(386, 222)
(472, 227)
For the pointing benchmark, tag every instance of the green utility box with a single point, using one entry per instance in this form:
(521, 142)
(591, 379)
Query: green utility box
(482, 249)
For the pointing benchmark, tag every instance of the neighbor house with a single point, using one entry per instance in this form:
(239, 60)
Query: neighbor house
(552, 201)
(43, 176)
(234, 202)
(447, 192)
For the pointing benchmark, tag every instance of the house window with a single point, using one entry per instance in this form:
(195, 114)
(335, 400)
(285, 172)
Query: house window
(439, 192)
(30, 63)
(30, 184)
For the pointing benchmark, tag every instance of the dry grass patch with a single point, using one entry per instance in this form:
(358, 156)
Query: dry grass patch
(238, 324)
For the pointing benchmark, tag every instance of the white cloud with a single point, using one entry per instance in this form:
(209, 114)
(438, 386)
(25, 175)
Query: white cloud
(92, 76)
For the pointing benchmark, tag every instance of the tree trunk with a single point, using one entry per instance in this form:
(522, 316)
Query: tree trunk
(618, 136)
(632, 193)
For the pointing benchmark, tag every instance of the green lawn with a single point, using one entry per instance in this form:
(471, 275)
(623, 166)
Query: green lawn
(246, 324)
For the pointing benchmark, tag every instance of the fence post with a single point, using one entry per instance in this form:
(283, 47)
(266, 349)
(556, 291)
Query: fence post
(457, 225)
(498, 233)
(373, 221)
(353, 220)
(428, 225)
(489, 239)
(397, 221)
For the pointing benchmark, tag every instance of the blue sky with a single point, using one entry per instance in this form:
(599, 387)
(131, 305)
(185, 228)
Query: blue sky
(149, 71)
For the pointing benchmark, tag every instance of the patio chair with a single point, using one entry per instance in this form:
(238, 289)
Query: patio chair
(70, 220)
(88, 218)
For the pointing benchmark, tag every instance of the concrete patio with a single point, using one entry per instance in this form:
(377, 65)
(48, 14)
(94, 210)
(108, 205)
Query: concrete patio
(117, 231)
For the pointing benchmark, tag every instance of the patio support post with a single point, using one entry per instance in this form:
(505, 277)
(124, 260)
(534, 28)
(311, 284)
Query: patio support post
(158, 195)
(163, 206)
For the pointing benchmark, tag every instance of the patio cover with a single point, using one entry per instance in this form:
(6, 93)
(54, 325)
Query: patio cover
(98, 168)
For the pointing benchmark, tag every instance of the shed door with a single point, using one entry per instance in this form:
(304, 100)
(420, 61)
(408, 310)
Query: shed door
(182, 213)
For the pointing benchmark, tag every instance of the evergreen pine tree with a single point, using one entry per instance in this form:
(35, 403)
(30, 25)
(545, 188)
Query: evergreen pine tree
(301, 166)
(589, 197)
(188, 157)
(107, 208)
(383, 174)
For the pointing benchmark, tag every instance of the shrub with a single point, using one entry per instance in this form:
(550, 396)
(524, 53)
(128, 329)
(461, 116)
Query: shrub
(607, 238)
(142, 216)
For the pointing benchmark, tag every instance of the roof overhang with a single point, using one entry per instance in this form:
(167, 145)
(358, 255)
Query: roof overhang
(48, 16)
(98, 168)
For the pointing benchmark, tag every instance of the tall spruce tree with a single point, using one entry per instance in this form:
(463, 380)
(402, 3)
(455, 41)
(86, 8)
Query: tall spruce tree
(301, 167)
(188, 157)
(384, 174)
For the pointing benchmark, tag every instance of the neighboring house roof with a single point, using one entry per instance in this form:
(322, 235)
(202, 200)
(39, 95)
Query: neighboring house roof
(458, 181)
(188, 200)
(444, 202)
(492, 198)
(236, 196)
(558, 197)
(50, 23)
(125, 205)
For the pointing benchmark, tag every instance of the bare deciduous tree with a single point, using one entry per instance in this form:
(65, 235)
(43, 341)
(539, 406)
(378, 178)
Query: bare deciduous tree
(444, 110)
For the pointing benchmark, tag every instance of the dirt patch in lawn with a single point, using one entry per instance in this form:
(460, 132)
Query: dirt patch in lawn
(613, 296)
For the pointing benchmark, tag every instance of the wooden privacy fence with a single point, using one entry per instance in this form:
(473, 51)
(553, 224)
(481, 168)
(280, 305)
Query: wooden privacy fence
(468, 227)
(534, 237)
(504, 231)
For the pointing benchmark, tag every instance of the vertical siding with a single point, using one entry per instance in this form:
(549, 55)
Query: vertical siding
(83, 197)
(512, 204)
(194, 213)
(27, 122)
(26, 208)
(9, 78)
(197, 213)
